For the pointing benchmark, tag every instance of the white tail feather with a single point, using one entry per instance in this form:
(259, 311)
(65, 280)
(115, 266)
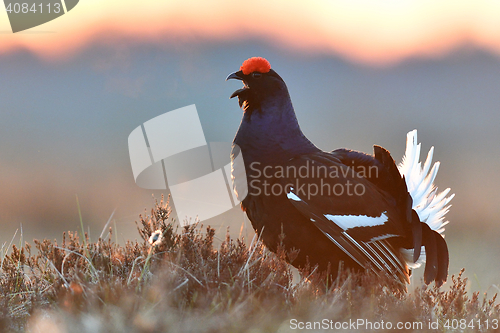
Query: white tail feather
(408, 256)
(430, 206)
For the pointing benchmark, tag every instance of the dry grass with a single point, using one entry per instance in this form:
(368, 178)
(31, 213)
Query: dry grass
(181, 283)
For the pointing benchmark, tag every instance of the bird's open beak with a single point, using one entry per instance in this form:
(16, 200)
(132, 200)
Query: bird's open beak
(237, 76)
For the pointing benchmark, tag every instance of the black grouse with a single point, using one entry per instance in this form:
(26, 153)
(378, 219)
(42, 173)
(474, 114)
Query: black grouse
(340, 206)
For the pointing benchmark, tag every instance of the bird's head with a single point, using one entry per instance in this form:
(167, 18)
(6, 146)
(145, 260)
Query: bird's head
(260, 83)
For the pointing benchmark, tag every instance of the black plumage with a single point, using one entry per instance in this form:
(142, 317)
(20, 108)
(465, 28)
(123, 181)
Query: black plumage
(344, 206)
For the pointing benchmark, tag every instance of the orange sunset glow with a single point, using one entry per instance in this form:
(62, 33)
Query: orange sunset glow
(375, 32)
(93, 136)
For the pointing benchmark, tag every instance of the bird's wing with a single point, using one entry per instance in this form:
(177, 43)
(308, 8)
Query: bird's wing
(349, 209)
(386, 176)
(388, 179)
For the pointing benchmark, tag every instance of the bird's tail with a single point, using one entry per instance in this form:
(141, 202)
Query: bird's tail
(430, 206)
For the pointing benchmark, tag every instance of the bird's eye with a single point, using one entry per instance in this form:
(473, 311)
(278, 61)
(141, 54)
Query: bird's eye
(256, 75)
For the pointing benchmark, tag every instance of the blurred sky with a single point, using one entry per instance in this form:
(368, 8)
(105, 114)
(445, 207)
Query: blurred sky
(359, 72)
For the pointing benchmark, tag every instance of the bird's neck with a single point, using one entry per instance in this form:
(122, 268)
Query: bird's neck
(271, 133)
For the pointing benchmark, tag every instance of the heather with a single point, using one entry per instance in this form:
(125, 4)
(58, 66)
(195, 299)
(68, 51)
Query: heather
(176, 279)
